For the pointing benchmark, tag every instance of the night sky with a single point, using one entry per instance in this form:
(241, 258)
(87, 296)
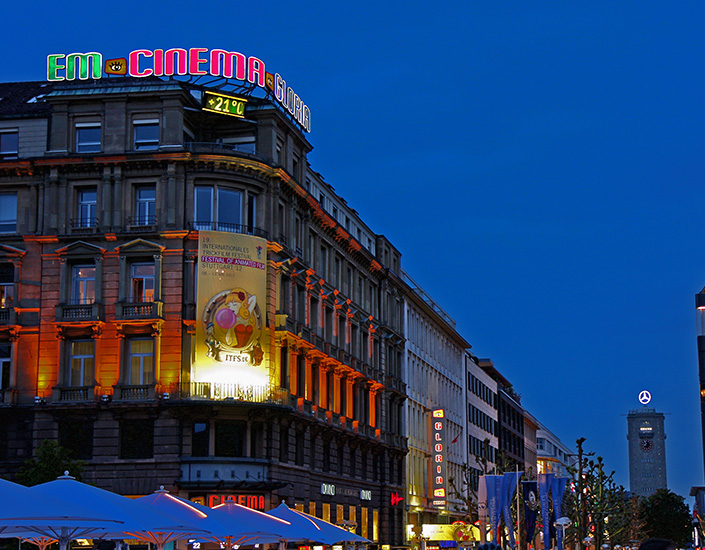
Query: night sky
(538, 164)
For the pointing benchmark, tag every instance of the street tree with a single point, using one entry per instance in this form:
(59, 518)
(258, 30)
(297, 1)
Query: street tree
(666, 515)
(50, 462)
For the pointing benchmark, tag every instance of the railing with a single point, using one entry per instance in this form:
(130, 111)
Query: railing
(229, 228)
(139, 310)
(240, 149)
(78, 312)
(140, 392)
(140, 223)
(218, 391)
(8, 316)
(89, 224)
(74, 393)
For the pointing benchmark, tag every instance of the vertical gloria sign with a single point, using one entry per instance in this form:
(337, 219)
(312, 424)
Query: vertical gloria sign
(231, 351)
(439, 458)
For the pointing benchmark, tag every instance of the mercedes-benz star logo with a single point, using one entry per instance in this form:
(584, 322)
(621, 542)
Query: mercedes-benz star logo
(644, 397)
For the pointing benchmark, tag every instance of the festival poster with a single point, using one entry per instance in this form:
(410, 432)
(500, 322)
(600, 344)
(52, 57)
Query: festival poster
(231, 351)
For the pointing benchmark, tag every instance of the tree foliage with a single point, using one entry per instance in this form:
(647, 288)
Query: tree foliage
(666, 515)
(50, 462)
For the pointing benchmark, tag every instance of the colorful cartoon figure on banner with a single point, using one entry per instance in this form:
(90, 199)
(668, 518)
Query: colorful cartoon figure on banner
(232, 322)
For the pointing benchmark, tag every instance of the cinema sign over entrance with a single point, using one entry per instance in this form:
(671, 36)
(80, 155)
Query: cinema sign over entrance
(181, 62)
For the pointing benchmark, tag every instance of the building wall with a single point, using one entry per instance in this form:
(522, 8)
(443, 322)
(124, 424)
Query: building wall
(647, 451)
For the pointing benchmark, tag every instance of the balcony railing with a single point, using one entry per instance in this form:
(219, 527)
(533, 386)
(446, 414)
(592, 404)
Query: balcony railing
(73, 393)
(234, 392)
(126, 392)
(79, 312)
(229, 228)
(8, 316)
(239, 149)
(139, 310)
(141, 223)
(83, 225)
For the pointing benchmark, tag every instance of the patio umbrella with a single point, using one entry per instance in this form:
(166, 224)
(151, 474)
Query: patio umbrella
(23, 514)
(246, 527)
(137, 520)
(316, 529)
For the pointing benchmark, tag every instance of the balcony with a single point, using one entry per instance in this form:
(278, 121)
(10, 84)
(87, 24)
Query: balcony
(224, 471)
(8, 396)
(244, 150)
(79, 312)
(394, 383)
(83, 226)
(73, 394)
(216, 391)
(127, 392)
(138, 310)
(8, 316)
(229, 228)
(141, 224)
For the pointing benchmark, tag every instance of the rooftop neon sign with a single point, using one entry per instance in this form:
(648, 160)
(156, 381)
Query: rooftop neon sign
(181, 62)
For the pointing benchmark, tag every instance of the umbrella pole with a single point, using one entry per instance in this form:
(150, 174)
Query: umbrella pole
(64, 539)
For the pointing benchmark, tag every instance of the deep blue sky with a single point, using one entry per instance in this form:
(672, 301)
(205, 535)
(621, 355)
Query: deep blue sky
(538, 164)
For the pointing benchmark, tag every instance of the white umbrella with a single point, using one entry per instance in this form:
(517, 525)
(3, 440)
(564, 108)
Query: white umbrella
(138, 521)
(248, 527)
(23, 514)
(316, 529)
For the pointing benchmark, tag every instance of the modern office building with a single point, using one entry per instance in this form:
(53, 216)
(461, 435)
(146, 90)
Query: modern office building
(647, 451)
(186, 302)
(553, 456)
(482, 440)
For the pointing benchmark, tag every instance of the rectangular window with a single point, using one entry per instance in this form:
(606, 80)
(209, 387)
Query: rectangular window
(146, 135)
(200, 439)
(5, 362)
(227, 208)
(243, 144)
(87, 208)
(8, 212)
(76, 436)
(142, 282)
(81, 363)
(141, 361)
(9, 144)
(252, 210)
(83, 284)
(7, 285)
(145, 205)
(137, 438)
(230, 438)
(88, 137)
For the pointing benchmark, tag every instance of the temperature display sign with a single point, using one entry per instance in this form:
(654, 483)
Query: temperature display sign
(224, 104)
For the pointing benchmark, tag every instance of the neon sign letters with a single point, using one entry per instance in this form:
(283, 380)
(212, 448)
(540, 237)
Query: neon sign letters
(181, 62)
(439, 459)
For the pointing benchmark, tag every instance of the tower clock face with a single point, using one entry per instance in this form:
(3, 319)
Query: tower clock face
(647, 445)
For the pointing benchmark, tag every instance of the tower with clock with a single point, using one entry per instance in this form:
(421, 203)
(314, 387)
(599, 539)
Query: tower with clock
(647, 448)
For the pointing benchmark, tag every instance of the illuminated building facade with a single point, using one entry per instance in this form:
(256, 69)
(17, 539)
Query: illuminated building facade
(130, 330)
(647, 451)
(435, 378)
(554, 457)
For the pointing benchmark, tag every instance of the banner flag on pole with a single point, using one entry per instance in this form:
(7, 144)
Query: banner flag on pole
(531, 508)
(509, 485)
(557, 491)
(482, 508)
(493, 484)
(545, 482)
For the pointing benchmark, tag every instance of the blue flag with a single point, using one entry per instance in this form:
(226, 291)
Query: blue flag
(545, 482)
(557, 490)
(494, 485)
(509, 485)
(531, 508)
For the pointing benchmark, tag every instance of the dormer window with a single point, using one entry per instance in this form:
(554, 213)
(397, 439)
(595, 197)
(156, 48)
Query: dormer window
(9, 140)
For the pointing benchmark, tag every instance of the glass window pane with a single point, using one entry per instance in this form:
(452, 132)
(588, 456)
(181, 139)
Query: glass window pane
(229, 206)
(8, 143)
(8, 213)
(146, 136)
(88, 140)
(204, 205)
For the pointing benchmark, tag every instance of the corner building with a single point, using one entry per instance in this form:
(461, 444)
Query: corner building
(107, 190)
